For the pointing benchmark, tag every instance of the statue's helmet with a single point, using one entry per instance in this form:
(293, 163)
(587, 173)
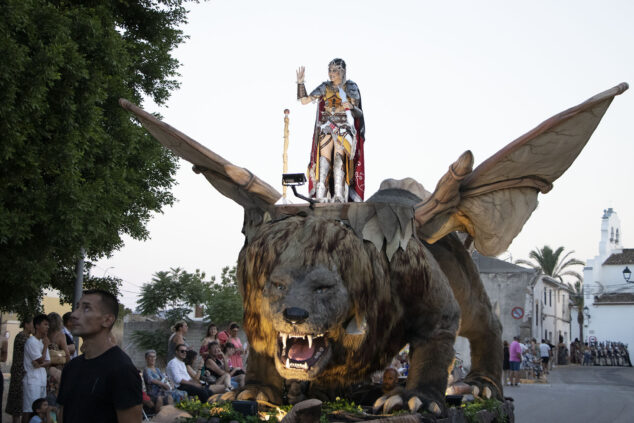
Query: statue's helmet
(338, 64)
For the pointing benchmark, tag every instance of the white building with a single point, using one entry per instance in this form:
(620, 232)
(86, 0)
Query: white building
(608, 296)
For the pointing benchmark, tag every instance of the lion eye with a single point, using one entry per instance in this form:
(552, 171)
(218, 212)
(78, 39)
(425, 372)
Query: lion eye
(278, 286)
(321, 289)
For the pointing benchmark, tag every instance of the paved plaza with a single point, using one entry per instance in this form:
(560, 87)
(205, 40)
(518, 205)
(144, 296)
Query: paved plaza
(577, 394)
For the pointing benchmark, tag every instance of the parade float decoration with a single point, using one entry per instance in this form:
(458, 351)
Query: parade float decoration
(332, 291)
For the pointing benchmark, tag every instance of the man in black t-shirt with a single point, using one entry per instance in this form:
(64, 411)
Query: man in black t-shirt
(102, 385)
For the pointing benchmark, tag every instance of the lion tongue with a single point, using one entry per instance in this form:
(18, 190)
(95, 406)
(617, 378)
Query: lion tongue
(300, 351)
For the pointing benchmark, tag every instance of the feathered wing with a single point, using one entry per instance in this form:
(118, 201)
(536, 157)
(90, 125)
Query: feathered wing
(232, 181)
(493, 202)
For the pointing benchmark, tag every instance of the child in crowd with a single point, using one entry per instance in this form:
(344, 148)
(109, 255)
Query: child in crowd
(40, 411)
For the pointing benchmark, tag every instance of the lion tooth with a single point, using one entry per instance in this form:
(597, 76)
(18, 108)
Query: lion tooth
(284, 337)
(310, 341)
(288, 363)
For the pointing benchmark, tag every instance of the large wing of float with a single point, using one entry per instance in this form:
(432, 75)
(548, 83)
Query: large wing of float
(232, 181)
(493, 202)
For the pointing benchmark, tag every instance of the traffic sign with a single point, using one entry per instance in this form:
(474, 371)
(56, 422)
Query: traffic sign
(517, 312)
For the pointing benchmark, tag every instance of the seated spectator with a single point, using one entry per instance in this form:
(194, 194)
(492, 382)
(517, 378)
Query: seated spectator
(151, 406)
(190, 364)
(40, 411)
(216, 368)
(390, 382)
(231, 335)
(212, 335)
(177, 371)
(237, 373)
(157, 385)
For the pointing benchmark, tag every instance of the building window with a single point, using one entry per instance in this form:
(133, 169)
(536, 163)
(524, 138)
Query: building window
(550, 297)
(544, 295)
(536, 314)
(550, 337)
(545, 334)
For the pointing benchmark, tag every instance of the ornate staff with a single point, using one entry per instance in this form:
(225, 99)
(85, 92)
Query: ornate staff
(285, 155)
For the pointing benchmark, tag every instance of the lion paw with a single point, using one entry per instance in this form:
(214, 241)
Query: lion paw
(260, 393)
(390, 403)
(484, 387)
(222, 398)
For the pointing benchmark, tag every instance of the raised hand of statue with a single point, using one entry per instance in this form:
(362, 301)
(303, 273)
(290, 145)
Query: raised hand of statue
(300, 75)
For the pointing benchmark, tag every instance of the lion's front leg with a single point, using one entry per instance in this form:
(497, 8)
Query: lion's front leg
(432, 326)
(427, 378)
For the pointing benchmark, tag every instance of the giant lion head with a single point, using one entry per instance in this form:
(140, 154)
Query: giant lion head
(313, 294)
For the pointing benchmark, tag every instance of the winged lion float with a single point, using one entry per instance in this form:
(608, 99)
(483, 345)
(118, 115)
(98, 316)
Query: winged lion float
(331, 292)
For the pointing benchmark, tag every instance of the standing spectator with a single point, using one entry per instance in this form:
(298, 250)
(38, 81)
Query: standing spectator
(4, 352)
(505, 363)
(544, 353)
(102, 384)
(177, 372)
(36, 360)
(210, 336)
(70, 342)
(57, 348)
(14, 398)
(231, 335)
(515, 358)
(177, 338)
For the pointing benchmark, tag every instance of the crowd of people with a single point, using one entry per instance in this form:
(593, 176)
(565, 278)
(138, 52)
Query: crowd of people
(52, 380)
(530, 360)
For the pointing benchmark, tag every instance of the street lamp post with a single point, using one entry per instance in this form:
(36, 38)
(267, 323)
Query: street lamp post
(627, 274)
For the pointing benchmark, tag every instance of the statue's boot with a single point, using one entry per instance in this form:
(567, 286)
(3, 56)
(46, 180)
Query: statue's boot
(324, 169)
(339, 175)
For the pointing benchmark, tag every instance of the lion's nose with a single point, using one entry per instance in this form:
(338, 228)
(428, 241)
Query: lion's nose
(295, 315)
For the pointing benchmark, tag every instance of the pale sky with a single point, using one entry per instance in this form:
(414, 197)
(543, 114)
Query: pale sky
(436, 79)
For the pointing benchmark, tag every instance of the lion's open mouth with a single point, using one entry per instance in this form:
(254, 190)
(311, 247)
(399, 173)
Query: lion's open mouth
(301, 351)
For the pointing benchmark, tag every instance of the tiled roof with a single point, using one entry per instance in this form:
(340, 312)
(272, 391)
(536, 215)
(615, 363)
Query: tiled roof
(626, 257)
(617, 297)
(492, 265)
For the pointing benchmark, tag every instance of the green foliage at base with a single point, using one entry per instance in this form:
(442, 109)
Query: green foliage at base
(471, 409)
(224, 412)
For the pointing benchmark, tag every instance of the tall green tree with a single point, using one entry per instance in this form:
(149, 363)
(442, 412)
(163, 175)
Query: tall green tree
(75, 170)
(551, 262)
(173, 294)
(224, 303)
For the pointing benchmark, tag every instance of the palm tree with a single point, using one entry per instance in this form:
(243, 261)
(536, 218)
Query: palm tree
(578, 303)
(551, 263)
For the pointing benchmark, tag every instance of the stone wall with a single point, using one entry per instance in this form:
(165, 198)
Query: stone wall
(133, 323)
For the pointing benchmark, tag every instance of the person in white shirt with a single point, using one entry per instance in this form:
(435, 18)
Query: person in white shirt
(544, 353)
(177, 372)
(36, 360)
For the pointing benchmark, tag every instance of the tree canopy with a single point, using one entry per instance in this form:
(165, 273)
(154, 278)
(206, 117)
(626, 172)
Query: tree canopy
(173, 294)
(550, 262)
(75, 170)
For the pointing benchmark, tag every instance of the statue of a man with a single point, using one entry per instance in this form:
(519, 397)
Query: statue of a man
(336, 169)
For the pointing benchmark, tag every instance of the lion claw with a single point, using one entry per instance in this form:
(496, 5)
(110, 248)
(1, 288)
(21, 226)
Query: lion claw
(414, 404)
(434, 408)
(387, 404)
